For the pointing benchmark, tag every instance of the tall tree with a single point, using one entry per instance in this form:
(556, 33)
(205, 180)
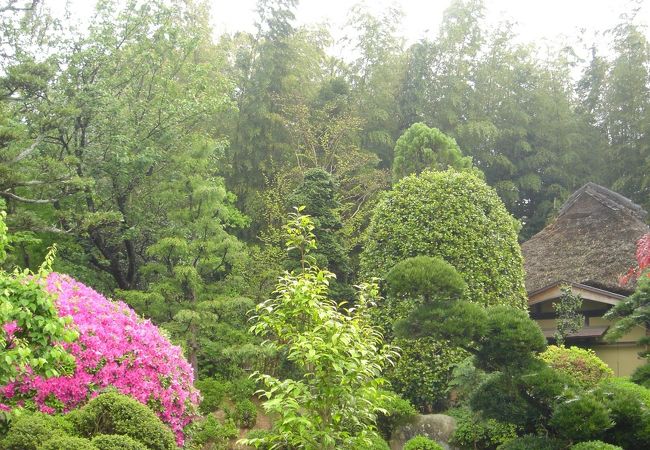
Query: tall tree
(627, 97)
(114, 108)
(194, 253)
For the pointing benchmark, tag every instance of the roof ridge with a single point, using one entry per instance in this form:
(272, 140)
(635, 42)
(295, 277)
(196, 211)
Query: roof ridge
(606, 197)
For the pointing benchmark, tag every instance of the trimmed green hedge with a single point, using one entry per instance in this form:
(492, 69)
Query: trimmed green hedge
(31, 430)
(113, 413)
(455, 216)
(67, 443)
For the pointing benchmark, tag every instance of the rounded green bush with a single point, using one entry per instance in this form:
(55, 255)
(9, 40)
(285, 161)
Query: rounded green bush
(532, 442)
(641, 376)
(422, 443)
(629, 406)
(245, 414)
(67, 443)
(116, 442)
(595, 445)
(580, 364)
(213, 392)
(581, 419)
(113, 413)
(424, 276)
(455, 216)
(32, 429)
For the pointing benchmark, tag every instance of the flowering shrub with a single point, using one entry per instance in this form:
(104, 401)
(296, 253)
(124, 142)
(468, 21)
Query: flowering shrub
(115, 348)
(579, 364)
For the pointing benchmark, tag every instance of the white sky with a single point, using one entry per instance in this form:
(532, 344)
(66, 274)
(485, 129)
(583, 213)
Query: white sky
(537, 21)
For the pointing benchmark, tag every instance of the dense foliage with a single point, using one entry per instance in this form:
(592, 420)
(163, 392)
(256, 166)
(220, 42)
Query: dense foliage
(455, 216)
(420, 148)
(162, 159)
(335, 400)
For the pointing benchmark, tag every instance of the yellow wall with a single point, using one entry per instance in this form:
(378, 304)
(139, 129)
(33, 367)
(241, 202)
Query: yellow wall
(621, 356)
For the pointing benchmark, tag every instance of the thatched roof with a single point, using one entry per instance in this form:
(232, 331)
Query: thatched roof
(592, 241)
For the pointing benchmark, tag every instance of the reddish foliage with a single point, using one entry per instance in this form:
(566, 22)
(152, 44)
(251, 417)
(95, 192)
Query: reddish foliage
(642, 259)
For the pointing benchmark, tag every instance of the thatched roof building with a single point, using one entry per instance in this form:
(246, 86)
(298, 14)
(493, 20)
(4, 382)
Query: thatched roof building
(591, 242)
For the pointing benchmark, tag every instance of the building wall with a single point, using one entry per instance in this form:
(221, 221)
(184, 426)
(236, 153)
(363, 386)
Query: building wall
(621, 356)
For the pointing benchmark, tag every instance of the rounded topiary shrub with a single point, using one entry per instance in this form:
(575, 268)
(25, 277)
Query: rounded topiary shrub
(116, 349)
(29, 431)
(422, 443)
(113, 413)
(579, 364)
(532, 442)
(116, 442)
(581, 419)
(457, 217)
(67, 443)
(595, 445)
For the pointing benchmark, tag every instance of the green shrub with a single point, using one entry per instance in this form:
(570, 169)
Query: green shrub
(641, 376)
(524, 399)
(423, 371)
(67, 443)
(30, 430)
(512, 339)
(244, 414)
(477, 433)
(242, 389)
(424, 276)
(581, 365)
(213, 392)
(629, 406)
(532, 443)
(455, 216)
(422, 443)
(595, 445)
(113, 413)
(398, 412)
(581, 419)
(116, 442)
(212, 433)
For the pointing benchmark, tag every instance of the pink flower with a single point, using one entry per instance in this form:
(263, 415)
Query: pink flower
(116, 348)
(10, 328)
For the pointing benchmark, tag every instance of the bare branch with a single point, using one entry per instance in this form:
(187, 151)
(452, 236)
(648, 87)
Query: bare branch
(11, 195)
(28, 151)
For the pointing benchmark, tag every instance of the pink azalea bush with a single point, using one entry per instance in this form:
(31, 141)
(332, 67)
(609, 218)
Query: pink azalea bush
(116, 348)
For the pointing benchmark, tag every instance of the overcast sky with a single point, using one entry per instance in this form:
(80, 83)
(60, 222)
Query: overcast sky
(538, 20)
